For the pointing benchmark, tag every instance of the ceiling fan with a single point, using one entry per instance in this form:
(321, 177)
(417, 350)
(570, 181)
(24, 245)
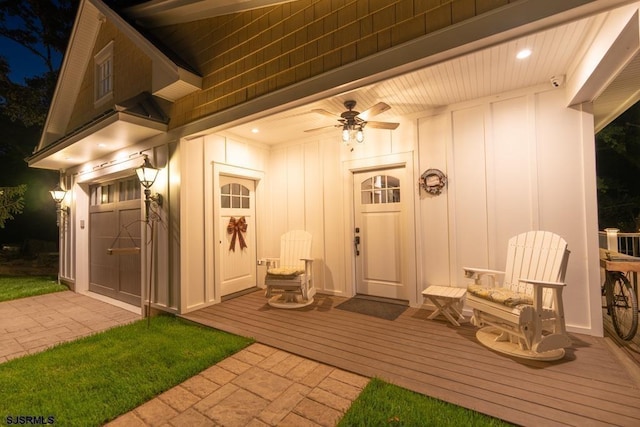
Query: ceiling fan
(353, 122)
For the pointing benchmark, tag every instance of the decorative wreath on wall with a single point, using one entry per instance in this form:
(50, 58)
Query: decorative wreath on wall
(433, 181)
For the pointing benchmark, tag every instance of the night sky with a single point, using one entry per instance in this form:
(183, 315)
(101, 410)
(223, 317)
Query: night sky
(22, 62)
(37, 223)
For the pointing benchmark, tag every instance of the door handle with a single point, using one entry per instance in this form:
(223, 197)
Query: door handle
(356, 242)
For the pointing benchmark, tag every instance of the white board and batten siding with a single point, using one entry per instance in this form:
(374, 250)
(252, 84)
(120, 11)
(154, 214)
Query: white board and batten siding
(297, 200)
(506, 160)
(514, 164)
(197, 249)
(193, 292)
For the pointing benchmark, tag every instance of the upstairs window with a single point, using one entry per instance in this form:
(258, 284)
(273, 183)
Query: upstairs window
(104, 74)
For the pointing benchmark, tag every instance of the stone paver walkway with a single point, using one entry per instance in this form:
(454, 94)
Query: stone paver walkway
(30, 325)
(258, 386)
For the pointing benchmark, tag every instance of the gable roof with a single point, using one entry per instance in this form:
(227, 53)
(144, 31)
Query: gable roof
(171, 79)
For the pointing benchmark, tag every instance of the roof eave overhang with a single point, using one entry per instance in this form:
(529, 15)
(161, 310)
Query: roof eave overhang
(110, 133)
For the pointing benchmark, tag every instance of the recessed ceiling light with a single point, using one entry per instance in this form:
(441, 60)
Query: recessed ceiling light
(101, 145)
(524, 53)
(255, 130)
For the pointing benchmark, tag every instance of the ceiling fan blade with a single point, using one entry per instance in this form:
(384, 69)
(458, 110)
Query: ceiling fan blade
(382, 125)
(325, 113)
(373, 111)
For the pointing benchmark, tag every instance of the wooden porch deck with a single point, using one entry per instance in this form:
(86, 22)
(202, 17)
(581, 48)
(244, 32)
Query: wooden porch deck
(590, 386)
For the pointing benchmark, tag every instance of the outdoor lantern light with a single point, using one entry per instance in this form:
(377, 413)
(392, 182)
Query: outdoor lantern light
(58, 194)
(147, 176)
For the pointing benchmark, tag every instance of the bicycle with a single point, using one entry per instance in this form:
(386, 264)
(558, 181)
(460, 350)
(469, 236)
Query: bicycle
(622, 304)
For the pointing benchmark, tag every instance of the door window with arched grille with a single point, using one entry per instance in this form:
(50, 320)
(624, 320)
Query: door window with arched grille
(235, 196)
(380, 189)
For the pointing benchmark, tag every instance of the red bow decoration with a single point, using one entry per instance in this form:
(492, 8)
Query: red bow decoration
(237, 228)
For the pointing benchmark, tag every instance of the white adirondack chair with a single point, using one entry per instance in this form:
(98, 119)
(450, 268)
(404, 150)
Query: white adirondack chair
(524, 316)
(288, 280)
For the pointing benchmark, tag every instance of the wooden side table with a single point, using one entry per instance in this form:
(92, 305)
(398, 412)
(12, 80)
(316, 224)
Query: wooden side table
(448, 301)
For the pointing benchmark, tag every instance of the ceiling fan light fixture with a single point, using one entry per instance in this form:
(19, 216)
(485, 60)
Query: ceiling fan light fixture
(353, 122)
(351, 133)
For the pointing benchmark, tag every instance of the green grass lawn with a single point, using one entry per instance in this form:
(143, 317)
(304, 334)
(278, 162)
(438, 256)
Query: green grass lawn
(384, 404)
(93, 380)
(14, 287)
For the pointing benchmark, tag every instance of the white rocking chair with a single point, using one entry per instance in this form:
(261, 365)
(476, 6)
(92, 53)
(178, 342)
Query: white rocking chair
(524, 317)
(288, 280)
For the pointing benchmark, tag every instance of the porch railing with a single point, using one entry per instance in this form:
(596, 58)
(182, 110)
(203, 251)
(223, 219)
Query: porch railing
(625, 243)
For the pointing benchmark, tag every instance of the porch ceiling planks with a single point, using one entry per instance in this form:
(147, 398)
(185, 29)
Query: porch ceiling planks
(442, 361)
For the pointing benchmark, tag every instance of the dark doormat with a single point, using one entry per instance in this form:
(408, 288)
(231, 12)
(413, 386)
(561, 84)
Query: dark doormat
(380, 309)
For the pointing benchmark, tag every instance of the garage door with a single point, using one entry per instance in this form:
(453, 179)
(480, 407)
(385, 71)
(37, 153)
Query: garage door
(115, 221)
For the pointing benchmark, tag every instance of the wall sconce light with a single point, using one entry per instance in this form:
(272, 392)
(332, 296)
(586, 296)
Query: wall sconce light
(147, 176)
(58, 194)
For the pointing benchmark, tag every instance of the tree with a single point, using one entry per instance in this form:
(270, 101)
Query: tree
(618, 171)
(11, 202)
(42, 27)
(38, 218)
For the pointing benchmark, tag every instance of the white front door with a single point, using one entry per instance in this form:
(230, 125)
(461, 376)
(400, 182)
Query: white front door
(237, 243)
(381, 233)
